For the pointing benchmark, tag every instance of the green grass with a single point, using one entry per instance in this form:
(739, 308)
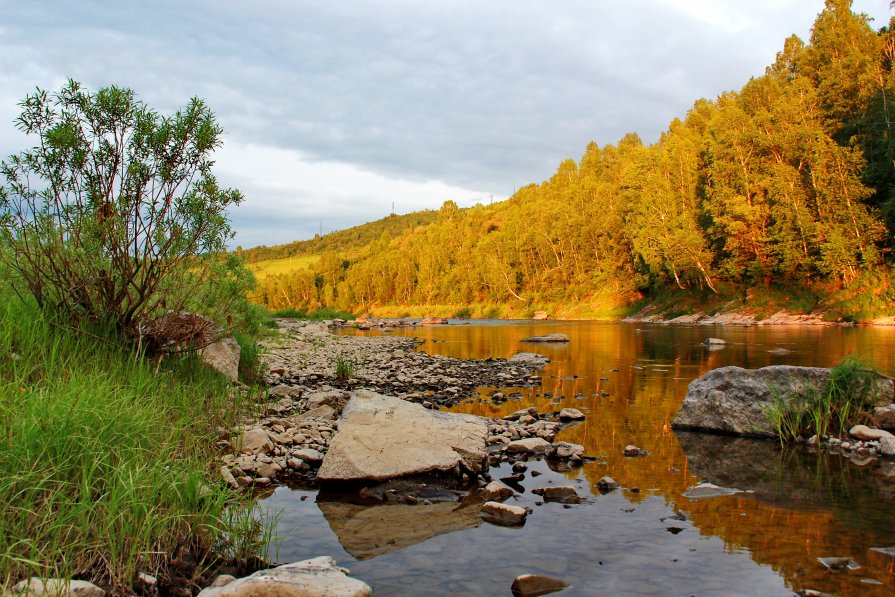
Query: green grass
(316, 315)
(345, 368)
(272, 267)
(842, 404)
(107, 468)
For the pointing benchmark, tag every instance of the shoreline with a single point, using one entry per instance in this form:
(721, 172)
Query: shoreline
(736, 318)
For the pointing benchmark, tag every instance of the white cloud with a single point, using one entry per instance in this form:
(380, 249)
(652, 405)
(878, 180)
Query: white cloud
(335, 109)
(298, 194)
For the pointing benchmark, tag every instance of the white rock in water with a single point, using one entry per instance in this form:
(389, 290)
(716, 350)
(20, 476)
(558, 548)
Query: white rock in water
(865, 432)
(496, 492)
(547, 338)
(529, 445)
(319, 577)
(308, 455)
(563, 450)
(714, 342)
(606, 484)
(503, 514)
(571, 414)
(562, 493)
(382, 437)
(57, 587)
(528, 357)
(531, 585)
(836, 563)
(709, 490)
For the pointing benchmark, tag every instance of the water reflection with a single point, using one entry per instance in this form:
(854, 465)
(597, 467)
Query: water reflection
(367, 531)
(629, 379)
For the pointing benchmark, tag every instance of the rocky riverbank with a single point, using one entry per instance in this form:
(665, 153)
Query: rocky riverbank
(308, 394)
(744, 318)
(306, 356)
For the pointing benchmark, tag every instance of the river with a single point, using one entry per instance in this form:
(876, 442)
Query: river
(645, 538)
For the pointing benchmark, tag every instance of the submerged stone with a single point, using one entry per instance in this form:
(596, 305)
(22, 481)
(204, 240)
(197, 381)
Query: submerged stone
(708, 490)
(503, 514)
(838, 563)
(532, 585)
(547, 338)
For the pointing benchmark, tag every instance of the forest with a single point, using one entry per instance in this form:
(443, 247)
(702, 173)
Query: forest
(784, 188)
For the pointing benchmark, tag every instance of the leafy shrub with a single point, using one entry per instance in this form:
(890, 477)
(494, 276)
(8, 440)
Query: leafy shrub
(115, 215)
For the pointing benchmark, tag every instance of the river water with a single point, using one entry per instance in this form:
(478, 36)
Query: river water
(646, 538)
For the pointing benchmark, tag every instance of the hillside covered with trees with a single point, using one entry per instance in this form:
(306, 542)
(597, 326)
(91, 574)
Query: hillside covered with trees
(786, 186)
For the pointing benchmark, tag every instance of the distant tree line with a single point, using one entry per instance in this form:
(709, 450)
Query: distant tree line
(788, 182)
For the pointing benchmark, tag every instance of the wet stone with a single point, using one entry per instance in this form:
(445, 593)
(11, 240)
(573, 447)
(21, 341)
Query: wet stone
(708, 490)
(839, 563)
(531, 585)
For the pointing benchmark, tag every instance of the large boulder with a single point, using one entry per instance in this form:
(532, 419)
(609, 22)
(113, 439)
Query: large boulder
(735, 400)
(317, 577)
(382, 437)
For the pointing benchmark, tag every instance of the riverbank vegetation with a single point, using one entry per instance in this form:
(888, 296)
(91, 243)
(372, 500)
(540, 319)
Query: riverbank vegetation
(112, 275)
(843, 403)
(784, 186)
(107, 465)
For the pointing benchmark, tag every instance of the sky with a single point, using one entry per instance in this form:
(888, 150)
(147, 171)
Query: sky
(334, 112)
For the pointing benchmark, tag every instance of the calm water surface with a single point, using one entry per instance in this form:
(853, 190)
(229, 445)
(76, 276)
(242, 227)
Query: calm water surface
(800, 506)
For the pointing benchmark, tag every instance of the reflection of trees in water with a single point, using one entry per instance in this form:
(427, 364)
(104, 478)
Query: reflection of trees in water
(804, 506)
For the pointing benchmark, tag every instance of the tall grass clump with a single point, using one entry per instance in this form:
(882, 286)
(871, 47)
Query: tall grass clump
(104, 464)
(845, 399)
(345, 368)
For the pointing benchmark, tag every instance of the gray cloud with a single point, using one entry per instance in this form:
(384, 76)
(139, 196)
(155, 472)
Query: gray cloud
(485, 96)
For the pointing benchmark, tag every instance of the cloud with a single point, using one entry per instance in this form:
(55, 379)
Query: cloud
(318, 195)
(485, 96)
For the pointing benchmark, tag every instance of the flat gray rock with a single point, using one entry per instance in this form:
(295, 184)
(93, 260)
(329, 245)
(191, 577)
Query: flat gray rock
(382, 437)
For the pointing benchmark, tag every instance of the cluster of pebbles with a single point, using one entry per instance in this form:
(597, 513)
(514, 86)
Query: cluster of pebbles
(863, 446)
(306, 355)
(288, 444)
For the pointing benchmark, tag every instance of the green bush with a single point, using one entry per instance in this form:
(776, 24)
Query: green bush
(114, 216)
